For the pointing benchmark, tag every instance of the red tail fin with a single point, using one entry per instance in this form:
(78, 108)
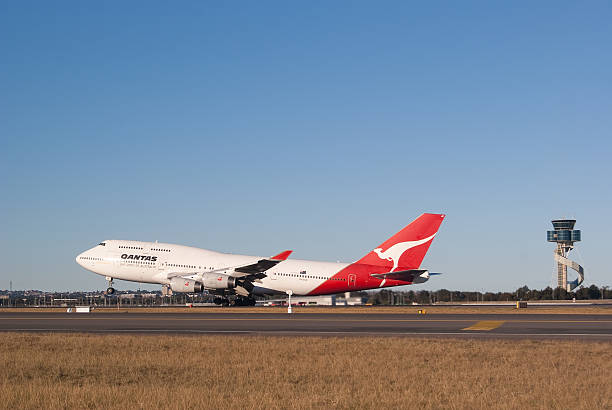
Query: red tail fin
(407, 248)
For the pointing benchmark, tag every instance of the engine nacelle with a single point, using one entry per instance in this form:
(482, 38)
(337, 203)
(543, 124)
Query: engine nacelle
(183, 285)
(218, 281)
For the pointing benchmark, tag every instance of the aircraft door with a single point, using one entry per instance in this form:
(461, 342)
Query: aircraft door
(352, 279)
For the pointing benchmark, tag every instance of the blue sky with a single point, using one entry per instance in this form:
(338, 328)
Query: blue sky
(324, 128)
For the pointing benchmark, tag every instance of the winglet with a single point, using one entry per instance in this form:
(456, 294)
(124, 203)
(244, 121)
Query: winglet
(281, 256)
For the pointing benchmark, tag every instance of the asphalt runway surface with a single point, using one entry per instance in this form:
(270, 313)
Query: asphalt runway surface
(595, 327)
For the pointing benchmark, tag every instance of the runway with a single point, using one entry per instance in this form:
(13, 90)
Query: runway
(596, 327)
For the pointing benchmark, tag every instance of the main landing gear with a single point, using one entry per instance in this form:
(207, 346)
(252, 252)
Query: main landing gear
(244, 302)
(240, 301)
(221, 301)
(110, 289)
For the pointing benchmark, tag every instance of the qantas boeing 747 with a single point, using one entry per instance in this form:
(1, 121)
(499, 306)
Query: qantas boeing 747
(237, 279)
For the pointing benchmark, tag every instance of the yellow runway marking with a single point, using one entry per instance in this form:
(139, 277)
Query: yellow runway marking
(485, 325)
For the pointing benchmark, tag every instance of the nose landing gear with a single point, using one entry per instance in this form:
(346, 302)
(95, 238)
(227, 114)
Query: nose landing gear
(110, 289)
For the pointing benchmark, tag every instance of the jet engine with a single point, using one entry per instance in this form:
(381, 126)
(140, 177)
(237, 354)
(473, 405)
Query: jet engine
(218, 281)
(182, 285)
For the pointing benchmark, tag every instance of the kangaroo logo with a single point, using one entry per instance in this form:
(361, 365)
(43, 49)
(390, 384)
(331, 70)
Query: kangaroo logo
(395, 252)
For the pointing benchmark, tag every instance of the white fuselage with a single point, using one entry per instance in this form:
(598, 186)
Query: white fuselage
(153, 262)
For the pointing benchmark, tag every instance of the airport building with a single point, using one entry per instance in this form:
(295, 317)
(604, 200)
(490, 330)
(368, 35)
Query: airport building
(564, 235)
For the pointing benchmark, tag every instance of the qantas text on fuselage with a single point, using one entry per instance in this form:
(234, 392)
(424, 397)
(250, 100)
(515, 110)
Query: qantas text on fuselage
(187, 269)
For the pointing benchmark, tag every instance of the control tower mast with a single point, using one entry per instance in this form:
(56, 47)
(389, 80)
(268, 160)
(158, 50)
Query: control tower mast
(564, 236)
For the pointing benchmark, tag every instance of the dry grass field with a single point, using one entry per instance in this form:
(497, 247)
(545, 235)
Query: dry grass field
(410, 310)
(252, 372)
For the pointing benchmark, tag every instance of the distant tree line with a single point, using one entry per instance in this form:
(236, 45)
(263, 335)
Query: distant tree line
(391, 297)
(127, 298)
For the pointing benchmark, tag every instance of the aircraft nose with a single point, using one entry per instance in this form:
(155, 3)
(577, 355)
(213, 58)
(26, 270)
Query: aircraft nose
(79, 258)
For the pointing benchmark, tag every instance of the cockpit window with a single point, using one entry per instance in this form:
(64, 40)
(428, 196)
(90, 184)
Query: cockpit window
(102, 243)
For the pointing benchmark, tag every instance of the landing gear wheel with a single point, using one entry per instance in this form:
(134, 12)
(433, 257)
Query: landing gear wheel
(218, 301)
(110, 291)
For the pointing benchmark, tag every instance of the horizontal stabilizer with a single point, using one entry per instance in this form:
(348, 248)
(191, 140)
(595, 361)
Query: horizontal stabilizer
(404, 275)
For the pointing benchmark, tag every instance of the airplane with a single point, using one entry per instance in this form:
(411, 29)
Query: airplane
(237, 279)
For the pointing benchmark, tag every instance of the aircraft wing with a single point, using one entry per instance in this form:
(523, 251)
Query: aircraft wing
(257, 269)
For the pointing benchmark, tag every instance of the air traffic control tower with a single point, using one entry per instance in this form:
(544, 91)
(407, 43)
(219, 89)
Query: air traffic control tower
(565, 236)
